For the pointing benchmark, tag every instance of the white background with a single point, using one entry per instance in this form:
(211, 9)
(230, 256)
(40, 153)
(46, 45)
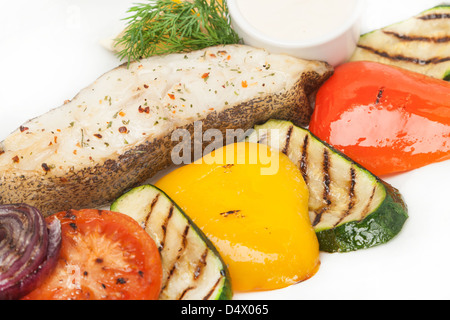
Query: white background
(49, 50)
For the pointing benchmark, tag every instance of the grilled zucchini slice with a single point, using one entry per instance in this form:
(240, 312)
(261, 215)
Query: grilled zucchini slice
(420, 44)
(192, 267)
(349, 207)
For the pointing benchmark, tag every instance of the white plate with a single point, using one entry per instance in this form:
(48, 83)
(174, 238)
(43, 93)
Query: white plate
(49, 50)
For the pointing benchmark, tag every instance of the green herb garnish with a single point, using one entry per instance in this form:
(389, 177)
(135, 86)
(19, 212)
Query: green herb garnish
(169, 26)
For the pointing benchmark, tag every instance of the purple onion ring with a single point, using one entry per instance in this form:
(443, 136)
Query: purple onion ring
(28, 249)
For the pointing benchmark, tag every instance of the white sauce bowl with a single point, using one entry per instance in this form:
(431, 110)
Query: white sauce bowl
(335, 47)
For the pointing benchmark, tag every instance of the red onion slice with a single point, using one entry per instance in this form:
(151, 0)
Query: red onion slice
(36, 278)
(27, 249)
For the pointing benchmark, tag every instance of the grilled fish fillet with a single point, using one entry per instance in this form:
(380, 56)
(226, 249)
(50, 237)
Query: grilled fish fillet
(116, 133)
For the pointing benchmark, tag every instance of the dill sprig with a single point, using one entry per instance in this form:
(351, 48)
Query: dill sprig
(168, 26)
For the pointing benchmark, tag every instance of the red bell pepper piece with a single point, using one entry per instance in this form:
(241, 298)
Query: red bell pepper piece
(385, 118)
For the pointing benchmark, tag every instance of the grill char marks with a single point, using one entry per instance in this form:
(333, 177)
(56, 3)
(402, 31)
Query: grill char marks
(304, 159)
(180, 253)
(152, 206)
(351, 196)
(184, 292)
(325, 176)
(212, 290)
(326, 188)
(417, 38)
(198, 271)
(192, 268)
(349, 208)
(178, 261)
(435, 16)
(303, 163)
(164, 228)
(430, 28)
(399, 57)
(379, 96)
(288, 140)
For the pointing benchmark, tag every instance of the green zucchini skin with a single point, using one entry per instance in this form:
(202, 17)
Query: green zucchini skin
(441, 6)
(447, 76)
(122, 204)
(380, 225)
(419, 44)
(378, 228)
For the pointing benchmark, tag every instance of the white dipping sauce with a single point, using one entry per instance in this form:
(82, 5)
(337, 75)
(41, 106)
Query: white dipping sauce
(296, 20)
